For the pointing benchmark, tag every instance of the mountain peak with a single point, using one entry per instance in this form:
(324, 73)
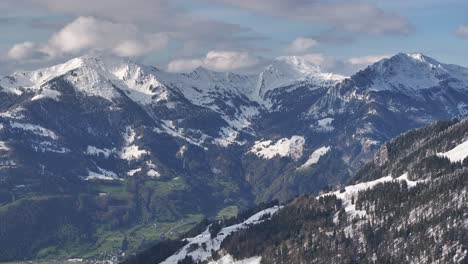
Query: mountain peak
(288, 70)
(413, 71)
(415, 58)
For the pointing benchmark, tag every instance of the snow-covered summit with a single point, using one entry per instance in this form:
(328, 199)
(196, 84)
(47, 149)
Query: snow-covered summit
(410, 72)
(94, 76)
(287, 70)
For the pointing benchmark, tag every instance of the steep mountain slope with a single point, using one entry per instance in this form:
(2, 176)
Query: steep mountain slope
(129, 147)
(352, 119)
(407, 206)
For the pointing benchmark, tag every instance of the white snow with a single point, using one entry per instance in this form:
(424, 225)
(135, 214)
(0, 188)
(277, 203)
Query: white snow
(315, 157)
(132, 172)
(214, 244)
(92, 150)
(169, 127)
(286, 147)
(457, 154)
(100, 76)
(228, 259)
(353, 190)
(49, 147)
(227, 137)
(36, 129)
(102, 174)
(153, 173)
(15, 113)
(411, 72)
(288, 70)
(324, 125)
(47, 93)
(131, 151)
(3, 146)
(35, 79)
(181, 152)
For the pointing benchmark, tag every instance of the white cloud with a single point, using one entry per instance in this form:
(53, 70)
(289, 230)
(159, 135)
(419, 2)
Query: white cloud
(462, 31)
(301, 45)
(184, 65)
(25, 50)
(217, 61)
(173, 18)
(315, 58)
(91, 34)
(348, 16)
(367, 60)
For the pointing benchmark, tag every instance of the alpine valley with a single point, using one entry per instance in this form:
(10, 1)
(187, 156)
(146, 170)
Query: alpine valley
(101, 157)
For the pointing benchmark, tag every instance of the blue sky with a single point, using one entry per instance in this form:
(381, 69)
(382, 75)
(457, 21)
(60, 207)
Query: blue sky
(224, 35)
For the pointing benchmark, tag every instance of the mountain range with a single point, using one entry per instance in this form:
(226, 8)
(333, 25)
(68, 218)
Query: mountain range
(99, 149)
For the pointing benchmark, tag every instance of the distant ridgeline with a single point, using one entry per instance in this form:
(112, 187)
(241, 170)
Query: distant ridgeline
(408, 205)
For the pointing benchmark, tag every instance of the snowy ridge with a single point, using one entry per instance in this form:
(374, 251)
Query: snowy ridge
(93, 76)
(412, 72)
(288, 70)
(199, 254)
(315, 157)
(35, 79)
(351, 192)
(457, 154)
(36, 129)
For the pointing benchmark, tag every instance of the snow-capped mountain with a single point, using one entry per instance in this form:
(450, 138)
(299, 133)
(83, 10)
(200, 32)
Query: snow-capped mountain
(409, 72)
(180, 142)
(290, 70)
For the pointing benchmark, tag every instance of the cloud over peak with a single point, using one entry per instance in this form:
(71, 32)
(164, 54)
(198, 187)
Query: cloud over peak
(301, 45)
(92, 34)
(217, 61)
(346, 16)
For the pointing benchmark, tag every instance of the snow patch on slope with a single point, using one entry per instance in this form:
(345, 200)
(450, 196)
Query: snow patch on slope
(3, 146)
(315, 157)
(47, 93)
(324, 125)
(102, 174)
(46, 146)
(131, 151)
(351, 192)
(36, 129)
(215, 243)
(94, 151)
(132, 172)
(15, 113)
(286, 147)
(228, 259)
(457, 154)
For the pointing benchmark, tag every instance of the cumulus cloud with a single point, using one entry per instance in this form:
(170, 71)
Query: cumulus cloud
(91, 34)
(367, 60)
(194, 33)
(462, 31)
(217, 61)
(301, 45)
(25, 50)
(348, 16)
